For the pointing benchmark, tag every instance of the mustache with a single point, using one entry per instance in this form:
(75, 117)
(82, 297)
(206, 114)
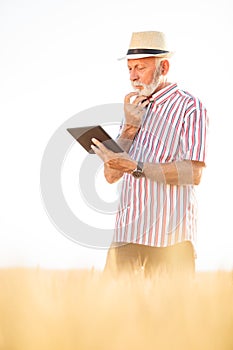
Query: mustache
(138, 83)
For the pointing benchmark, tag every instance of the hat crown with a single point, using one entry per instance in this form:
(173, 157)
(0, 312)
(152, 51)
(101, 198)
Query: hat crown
(148, 40)
(148, 44)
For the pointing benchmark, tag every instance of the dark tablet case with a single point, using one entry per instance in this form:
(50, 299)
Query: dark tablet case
(83, 135)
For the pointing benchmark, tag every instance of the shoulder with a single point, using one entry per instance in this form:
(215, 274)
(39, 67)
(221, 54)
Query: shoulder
(193, 102)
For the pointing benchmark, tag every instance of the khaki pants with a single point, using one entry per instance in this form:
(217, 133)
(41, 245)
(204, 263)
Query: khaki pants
(131, 257)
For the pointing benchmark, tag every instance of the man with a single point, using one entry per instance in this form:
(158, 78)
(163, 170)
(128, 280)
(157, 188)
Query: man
(163, 135)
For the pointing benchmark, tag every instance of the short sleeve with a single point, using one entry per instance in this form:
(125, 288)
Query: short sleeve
(193, 141)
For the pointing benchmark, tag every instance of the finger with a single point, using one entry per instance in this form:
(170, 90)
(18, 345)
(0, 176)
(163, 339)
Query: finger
(145, 103)
(128, 97)
(96, 150)
(100, 145)
(99, 153)
(95, 141)
(103, 152)
(138, 100)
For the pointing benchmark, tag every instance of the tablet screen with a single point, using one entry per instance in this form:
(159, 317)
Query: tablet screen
(83, 135)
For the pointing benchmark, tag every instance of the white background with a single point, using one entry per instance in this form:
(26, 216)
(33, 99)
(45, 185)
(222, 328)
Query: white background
(60, 57)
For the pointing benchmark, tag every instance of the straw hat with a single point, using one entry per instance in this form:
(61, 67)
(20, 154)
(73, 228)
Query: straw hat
(147, 44)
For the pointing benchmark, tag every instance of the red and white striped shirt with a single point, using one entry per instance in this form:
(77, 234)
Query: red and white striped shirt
(174, 128)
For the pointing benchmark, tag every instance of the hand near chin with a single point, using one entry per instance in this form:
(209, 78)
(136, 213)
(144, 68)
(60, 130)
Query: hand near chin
(134, 110)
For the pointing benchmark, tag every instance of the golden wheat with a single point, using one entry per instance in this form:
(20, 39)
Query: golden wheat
(84, 309)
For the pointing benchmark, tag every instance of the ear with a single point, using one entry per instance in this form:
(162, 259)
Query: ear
(164, 66)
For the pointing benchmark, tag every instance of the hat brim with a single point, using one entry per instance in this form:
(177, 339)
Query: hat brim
(137, 56)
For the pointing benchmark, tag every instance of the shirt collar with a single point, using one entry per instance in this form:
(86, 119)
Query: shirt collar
(163, 94)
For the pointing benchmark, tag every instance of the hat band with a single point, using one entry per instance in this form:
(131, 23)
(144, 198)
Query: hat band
(145, 51)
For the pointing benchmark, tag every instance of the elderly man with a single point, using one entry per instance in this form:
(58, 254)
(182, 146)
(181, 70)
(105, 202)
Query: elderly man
(163, 135)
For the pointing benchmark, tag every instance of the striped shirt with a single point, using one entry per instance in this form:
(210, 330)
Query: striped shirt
(173, 128)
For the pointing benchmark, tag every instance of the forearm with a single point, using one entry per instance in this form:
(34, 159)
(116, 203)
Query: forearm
(127, 136)
(175, 173)
(185, 172)
(134, 112)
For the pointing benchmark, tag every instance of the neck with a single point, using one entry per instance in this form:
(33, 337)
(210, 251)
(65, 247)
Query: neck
(161, 86)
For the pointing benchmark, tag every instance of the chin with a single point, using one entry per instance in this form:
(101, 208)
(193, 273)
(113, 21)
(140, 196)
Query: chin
(141, 92)
(145, 93)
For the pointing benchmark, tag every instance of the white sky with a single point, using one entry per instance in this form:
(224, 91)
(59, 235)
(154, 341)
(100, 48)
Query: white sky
(59, 58)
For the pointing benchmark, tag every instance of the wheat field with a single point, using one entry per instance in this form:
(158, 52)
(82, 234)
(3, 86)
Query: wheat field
(85, 309)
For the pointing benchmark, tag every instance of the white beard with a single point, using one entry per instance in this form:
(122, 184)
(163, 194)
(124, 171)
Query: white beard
(148, 89)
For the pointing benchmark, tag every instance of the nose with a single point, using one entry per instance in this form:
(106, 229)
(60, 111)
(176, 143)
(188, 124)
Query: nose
(133, 75)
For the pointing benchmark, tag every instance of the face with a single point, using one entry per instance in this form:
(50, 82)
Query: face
(144, 75)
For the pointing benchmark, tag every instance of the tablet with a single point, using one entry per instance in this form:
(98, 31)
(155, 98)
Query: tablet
(84, 134)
